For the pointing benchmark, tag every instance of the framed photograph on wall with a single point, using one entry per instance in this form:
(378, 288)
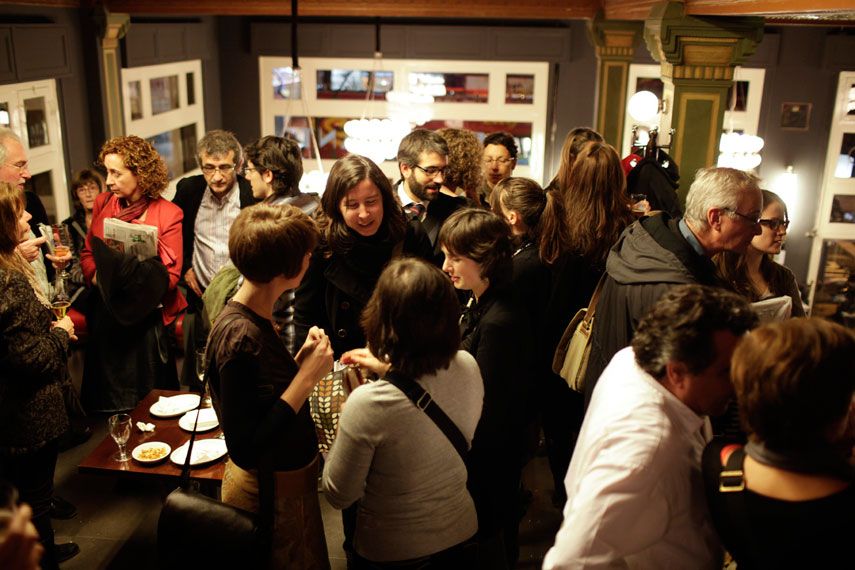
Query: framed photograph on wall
(795, 116)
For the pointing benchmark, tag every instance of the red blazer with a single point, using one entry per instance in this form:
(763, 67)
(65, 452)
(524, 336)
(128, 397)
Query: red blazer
(162, 214)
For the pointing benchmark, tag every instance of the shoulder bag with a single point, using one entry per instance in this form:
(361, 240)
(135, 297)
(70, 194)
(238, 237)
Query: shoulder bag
(196, 531)
(571, 355)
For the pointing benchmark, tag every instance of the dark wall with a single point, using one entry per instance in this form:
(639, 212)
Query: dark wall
(564, 46)
(802, 66)
(73, 87)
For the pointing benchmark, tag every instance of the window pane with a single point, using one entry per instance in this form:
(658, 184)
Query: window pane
(846, 159)
(286, 83)
(191, 89)
(521, 132)
(834, 297)
(178, 149)
(328, 130)
(5, 119)
(519, 89)
(451, 87)
(652, 84)
(36, 116)
(843, 209)
(164, 94)
(352, 84)
(42, 185)
(135, 97)
(739, 100)
(850, 103)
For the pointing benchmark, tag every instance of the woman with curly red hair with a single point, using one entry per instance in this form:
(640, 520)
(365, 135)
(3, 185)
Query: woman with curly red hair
(128, 353)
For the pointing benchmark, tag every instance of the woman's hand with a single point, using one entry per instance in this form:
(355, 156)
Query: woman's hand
(314, 336)
(66, 324)
(363, 358)
(316, 360)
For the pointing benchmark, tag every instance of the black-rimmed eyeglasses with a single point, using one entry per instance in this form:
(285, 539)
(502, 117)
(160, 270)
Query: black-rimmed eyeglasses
(774, 223)
(432, 170)
(224, 169)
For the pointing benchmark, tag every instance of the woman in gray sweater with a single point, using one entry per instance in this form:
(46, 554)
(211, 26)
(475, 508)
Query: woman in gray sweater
(389, 456)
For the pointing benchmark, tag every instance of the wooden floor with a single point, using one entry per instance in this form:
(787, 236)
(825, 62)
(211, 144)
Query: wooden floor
(116, 525)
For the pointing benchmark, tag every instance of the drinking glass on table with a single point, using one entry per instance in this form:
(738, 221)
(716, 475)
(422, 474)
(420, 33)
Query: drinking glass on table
(201, 364)
(120, 431)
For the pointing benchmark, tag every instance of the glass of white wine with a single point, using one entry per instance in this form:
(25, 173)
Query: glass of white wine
(120, 431)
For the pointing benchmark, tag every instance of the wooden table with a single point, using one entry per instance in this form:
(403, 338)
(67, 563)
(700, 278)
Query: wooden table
(100, 461)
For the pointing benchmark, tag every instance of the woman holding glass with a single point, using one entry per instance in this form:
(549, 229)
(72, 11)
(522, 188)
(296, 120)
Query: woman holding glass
(413, 507)
(260, 390)
(33, 361)
(125, 360)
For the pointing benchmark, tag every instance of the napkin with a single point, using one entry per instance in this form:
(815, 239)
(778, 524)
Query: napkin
(142, 426)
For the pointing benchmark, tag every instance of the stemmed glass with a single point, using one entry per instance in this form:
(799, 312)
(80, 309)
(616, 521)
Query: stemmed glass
(120, 431)
(201, 365)
(61, 248)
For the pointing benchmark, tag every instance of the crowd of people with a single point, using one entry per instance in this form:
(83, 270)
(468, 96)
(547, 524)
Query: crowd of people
(452, 286)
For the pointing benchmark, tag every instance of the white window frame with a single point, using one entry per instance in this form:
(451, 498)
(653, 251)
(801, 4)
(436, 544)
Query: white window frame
(494, 110)
(46, 158)
(150, 125)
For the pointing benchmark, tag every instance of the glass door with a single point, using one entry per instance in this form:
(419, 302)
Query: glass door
(31, 110)
(832, 263)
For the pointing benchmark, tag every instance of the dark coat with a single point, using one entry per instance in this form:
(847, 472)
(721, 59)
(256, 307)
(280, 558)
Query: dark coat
(337, 287)
(650, 257)
(188, 197)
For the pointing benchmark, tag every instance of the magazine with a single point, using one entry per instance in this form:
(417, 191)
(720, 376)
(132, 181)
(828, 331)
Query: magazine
(136, 239)
(774, 309)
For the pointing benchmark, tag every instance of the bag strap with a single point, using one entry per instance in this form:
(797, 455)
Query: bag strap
(423, 401)
(731, 487)
(595, 298)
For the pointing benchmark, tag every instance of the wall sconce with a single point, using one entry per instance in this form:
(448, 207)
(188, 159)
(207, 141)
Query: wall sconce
(644, 107)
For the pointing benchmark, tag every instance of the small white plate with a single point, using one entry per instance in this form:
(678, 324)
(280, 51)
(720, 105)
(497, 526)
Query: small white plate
(204, 451)
(139, 451)
(174, 405)
(207, 420)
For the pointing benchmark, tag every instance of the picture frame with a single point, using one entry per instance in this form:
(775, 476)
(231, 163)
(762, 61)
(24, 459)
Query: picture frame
(795, 116)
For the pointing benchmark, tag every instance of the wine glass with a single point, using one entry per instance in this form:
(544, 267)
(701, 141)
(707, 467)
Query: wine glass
(120, 431)
(61, 246)
(201, 364)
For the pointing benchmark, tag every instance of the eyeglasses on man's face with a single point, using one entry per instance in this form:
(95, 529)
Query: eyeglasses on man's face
(753, 220)
(224, 169)
(500, 161)
(433, 170)
(774, 223)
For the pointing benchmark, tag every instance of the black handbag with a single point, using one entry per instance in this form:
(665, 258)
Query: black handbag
(197, 531)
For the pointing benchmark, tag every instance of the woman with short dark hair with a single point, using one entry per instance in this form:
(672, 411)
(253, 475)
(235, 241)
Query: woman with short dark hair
(787, 499)
(497, 332)
(413, 507)
(260, 391)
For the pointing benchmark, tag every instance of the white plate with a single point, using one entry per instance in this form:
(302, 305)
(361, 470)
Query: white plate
(204, 451)
(174, 406)
(138, 450)
(207, 420)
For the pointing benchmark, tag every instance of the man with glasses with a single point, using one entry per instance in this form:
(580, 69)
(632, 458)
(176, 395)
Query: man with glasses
(422, 161)
(500, 159)
(658, 252)
(210, 201)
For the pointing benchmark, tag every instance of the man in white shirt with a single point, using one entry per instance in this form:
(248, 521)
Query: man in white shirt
(635, 495)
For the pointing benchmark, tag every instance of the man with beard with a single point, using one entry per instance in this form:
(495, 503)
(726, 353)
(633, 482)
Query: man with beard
(422, 161)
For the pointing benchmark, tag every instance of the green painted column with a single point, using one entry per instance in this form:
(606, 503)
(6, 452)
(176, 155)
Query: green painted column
(697, 56)
(614, 42)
